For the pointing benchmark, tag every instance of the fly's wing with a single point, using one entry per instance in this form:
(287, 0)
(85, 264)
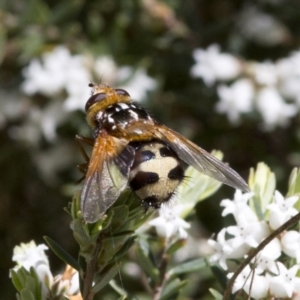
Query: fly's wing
(200, 159)
(106, 177)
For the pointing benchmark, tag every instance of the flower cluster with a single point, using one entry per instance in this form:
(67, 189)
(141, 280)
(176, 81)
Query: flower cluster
(273, 272)
(59, 71)
(269, 88)
(64, 78)
(32, 257)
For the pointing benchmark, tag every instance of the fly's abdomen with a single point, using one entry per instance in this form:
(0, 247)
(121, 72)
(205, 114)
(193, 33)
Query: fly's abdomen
(156, 173)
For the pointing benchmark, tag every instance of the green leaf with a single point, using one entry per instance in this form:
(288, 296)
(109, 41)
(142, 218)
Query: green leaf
(80, 232)
(176, 246)
(75, 204)
(62, 254)
(172, 288)
(294, 183)
(220, 276)
(119, 234)
(38, 285)
(120, 217)
(120, 212)
(190, 266)
(145, 216)
(121, 291)
(27, 295)
(37, 11)
(17, 280)
(106, 275)
(143, 256)
(64, 10)
(263, 182)
(31, 284)
(124, 249)
(216, 294)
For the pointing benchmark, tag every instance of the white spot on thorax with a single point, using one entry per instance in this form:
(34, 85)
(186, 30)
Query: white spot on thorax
(123, 105)
(134, 114)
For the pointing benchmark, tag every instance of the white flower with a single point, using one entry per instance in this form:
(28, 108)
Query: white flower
(57, 71)
(282, 286)
(136, 82)
(221, 249)
(288, 68)
(285, 67)
(30, 255)
(76, 84)
(290, 242)
(290, 88)
(265, 73)
(169, 223)
(254, 285)
(236, 99)
(106, 69)
(251, 234)
(273, 108)
(50, 117)
(281, 210)
(47, 77)
(211, 65)
(295, 59)
(42, 121)
(265, 259)
(242, 213)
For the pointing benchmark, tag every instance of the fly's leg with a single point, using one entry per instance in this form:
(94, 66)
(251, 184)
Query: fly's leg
(84, 166)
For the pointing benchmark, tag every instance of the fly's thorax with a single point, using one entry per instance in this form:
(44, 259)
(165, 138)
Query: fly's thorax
(119, 117)
(102, 97)
(156, 173)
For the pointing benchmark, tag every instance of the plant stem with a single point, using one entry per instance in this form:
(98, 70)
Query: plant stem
(162, 270)
(90, 271)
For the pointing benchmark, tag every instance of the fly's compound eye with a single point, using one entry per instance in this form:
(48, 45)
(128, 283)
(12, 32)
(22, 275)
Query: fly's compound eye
(122, 92)
(93, 99)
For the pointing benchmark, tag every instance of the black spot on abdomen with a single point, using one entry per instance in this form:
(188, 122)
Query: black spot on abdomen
(142, 179)
(177, 173)
(142, 156)
(167, 152)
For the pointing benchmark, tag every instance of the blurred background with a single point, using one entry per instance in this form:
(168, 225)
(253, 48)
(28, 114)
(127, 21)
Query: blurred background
(225, 74)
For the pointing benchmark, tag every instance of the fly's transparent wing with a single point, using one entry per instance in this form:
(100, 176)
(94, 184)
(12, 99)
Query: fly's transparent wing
(106, 177)
(200, 159)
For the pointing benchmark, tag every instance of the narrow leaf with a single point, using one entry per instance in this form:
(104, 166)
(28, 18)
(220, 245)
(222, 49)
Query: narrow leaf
(216, 294)
(147, 265)
(27, 295)
(127, 245)
(17, 282)
(190, 266)
(172, 288)
(176, 246)
(62, 254)
(119, 234)
(106, 276)
(220, 275)
(20, 276)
